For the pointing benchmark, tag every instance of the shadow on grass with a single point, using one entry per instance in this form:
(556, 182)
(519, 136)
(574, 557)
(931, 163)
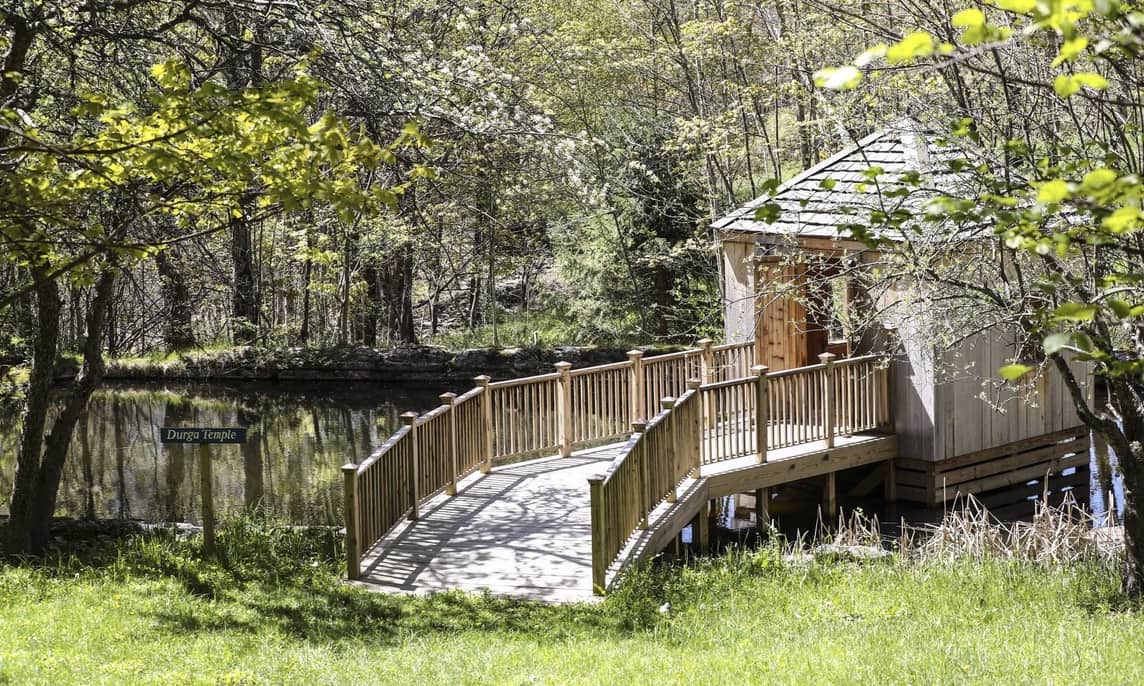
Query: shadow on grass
(328, 611)
(287, 580)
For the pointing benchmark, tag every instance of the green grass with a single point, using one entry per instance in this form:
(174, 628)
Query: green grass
(274, 612)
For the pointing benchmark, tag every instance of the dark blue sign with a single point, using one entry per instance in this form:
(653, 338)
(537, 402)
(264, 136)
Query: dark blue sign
(179, 434)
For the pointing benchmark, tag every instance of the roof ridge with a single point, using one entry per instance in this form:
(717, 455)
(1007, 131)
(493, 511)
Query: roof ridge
(805, 174)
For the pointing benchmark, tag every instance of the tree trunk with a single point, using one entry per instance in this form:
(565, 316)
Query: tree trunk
(396, 286)
(46, 482)
(307, 276)
(244, 309)
(253, 482)
(36, 404)
(372, 308)
(1125, 400)
(178, 331)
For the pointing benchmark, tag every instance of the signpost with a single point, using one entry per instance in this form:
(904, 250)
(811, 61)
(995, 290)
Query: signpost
(204, 436)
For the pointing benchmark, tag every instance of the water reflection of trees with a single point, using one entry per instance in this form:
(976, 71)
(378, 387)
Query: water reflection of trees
(289, 467)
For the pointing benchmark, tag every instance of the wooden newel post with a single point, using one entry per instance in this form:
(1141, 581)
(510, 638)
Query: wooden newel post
(486, 421)
(828, 399)
(707, 371)
(449, 400)
(673, 460)
(643, 477)
(599, 536)
(564, 406)
(350, 498)
(636, 385)
(206, 487)
(694, 440)
(762, 412)
(410, 419)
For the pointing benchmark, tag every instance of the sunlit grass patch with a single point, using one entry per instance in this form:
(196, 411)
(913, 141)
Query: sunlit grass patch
(272, 609)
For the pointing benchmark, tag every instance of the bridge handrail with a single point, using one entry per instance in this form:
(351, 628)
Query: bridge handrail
(655, 460)
(429, 453)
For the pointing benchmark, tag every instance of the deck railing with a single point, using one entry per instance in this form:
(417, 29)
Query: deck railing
(429, 453)
(656, 459)
(732, 418)
(739, 410)
(730, 361)
(525, 415)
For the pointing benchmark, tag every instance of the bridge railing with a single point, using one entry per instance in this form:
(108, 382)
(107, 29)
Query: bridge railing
(740, 410)
(727, 420)
(506, 420)
(656, 459)
(730, 361)
(733, 413)
(861, 394)
(427, 454)
(525, 415)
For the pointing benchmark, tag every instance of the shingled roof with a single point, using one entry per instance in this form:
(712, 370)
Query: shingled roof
(810, 210)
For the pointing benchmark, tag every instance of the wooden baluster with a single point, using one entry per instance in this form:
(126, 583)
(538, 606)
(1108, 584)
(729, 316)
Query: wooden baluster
(599, 535)
(350, 498)
(762, 412)
(450, 400)
(486, 401)
(564, 405)
(828, 398)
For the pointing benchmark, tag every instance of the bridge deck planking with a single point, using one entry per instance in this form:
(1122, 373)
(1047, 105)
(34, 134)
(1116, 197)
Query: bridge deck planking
(524, 529)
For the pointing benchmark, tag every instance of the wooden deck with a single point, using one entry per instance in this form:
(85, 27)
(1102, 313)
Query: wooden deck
(524, 529)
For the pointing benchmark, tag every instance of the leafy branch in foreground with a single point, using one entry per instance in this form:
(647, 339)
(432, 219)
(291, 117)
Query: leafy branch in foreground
(1057, 199)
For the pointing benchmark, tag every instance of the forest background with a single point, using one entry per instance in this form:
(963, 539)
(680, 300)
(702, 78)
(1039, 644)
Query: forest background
(551, 164)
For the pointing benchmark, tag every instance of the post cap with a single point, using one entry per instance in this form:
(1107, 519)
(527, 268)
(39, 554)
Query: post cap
(563, 366)
(827, 358)
(693, 384)
(482, 380)
(704, 342)
(349, 467)
(667, 403)
(635, 353)
(447, 398)
(760, 369)
(639, 427)
(408, 418)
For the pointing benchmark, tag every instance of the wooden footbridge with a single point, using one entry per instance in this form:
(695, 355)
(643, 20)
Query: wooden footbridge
(549, 486)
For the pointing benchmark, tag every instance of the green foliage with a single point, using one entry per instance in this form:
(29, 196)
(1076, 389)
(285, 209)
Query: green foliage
(191, 152)
(649, 268)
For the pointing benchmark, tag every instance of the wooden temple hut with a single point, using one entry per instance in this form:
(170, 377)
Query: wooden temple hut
(792, 284)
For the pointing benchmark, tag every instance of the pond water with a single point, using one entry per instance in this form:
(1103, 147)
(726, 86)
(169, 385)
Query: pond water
(299, 437)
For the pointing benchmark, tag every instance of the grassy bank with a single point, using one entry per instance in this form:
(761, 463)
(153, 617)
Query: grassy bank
(274, 612)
